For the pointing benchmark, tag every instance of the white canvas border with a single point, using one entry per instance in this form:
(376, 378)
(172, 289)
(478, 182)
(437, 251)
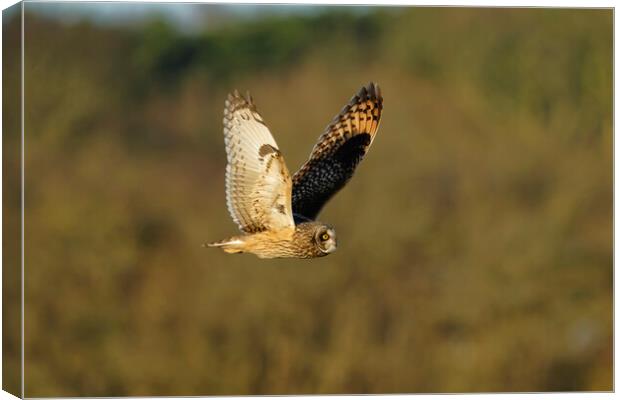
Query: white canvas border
(479, 3)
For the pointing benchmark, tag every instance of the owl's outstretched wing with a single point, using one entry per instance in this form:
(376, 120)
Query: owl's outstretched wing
(258, 183)
(339, 150)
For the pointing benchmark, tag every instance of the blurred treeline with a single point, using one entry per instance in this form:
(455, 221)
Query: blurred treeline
(475, 241)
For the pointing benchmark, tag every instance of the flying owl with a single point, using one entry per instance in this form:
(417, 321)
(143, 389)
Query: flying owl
(277, 213)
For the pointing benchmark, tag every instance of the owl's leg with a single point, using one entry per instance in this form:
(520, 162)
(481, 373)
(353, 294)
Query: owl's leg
(231, 245)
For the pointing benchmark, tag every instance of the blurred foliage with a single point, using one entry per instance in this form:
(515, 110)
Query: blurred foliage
(475, 240)
(11, 203)
(272, 45)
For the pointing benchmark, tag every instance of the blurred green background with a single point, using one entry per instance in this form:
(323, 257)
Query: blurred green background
(475, 241)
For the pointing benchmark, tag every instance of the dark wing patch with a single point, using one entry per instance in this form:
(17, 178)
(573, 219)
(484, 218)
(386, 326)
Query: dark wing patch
(338, 152)
(266, 149)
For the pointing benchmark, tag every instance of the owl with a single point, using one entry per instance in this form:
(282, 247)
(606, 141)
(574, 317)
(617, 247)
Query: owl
(276, 213)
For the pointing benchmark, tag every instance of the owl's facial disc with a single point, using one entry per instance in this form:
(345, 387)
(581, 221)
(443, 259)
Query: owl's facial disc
(325, 239)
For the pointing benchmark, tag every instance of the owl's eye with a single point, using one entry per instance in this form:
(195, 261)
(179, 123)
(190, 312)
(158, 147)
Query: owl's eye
(324, 236)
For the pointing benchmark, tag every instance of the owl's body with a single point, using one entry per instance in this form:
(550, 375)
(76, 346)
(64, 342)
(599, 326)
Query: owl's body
(297, 242)
(275, 212)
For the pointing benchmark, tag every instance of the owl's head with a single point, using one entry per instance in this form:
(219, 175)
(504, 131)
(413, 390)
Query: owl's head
(325, 239)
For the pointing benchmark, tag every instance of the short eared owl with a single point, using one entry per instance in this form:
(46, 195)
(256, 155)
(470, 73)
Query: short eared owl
(275, 212)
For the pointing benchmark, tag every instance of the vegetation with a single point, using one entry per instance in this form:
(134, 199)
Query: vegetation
(475, 242)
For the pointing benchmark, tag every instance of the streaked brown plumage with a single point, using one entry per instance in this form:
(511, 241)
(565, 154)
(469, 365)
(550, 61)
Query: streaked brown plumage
(302, 241)
(274, 211)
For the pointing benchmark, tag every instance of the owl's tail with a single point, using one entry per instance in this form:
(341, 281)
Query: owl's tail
(230, 245)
